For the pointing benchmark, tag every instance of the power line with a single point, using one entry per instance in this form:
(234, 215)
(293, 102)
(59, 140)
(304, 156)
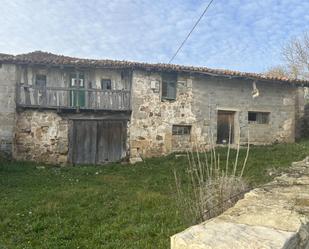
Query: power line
(184, 41)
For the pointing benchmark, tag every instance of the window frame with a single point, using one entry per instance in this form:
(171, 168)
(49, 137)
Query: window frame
(77, 80)
(169, 86)
(40, 80)
(261, 118)
(181, 130)
(106, 80)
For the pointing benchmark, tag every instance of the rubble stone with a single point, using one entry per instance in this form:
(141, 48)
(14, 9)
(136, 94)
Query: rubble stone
(41, 136)
(275, 216)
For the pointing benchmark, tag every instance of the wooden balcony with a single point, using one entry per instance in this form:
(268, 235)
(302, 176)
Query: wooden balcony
(62, 98)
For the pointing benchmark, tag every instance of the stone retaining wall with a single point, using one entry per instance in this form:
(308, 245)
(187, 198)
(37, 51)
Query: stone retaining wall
(274, 216)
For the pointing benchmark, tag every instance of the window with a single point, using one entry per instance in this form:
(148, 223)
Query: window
(258, 117)
(106, 84)
(77, 93)
(40, 80)
(169, 84)
(77, 80)
(181, 130)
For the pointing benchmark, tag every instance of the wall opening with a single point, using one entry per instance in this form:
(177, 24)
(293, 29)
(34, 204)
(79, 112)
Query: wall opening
(258, 117)
(181, 139)
(169, 86)
(225, 127)
(97, 141)
(106, 84)
(77, 97)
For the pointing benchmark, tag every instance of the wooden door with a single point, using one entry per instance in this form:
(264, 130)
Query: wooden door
(98, 141)
(77, 97)
(84, 142)
(225, 127)
(111, 141)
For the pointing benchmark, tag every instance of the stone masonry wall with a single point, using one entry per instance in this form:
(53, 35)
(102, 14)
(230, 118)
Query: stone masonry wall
(41, 136)
(152, 119)
(199, 98)
(275, 216)
(7, 107)
(150, 129)
(213, 94)
(300, 102)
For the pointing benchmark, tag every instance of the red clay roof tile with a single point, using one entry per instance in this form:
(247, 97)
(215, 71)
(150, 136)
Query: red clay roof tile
(45, 58)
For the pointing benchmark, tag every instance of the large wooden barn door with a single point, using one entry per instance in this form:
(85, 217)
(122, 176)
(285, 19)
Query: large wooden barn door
(84, 142)
(97, 141)
(224, 125)
(111, 141)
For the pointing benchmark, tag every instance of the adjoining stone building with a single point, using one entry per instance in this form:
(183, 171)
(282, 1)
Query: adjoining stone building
(65, 110)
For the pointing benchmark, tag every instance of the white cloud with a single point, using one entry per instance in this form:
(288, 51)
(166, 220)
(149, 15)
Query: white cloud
(235, 34)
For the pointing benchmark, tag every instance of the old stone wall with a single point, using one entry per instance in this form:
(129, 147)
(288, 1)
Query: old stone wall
(152, 118)
(7, 107)
(300, 102)
(41, 136)
(199, 98)
(302, 113)
(213, 94)
(304, 123)
(274, 216)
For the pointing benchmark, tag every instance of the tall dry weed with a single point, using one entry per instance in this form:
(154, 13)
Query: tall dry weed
(212, 187)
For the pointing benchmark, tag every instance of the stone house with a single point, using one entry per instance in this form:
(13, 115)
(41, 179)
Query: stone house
(59, 109)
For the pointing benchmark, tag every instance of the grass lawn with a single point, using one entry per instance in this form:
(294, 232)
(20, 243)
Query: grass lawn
(114, 206)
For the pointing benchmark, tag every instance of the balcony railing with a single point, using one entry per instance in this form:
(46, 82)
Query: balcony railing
(72, 98)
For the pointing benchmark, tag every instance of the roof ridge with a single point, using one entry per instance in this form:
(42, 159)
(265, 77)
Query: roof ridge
(48, 58)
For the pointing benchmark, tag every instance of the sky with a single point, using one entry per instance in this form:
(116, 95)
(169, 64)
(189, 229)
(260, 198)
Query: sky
(242, 35)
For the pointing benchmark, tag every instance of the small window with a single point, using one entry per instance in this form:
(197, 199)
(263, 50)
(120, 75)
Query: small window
(181, 130)
(258, 117)
(106, 84)
(169, 85)
(40, 80)
(77, 79)
(89, 84)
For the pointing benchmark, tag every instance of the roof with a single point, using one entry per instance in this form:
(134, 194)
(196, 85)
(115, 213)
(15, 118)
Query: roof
(45, 58)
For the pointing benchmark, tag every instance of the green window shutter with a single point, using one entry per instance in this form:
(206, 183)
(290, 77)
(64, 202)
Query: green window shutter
(169, 86)
(77, 97)
(171, 90)
(164, 90)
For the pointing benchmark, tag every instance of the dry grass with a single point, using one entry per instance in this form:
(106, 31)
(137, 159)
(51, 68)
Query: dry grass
(212, 187)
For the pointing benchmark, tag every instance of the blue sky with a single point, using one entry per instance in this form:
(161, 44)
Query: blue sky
(243, 35)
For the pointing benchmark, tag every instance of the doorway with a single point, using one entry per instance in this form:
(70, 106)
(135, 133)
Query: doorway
(225, 127)
(98, 141)
(77, 97)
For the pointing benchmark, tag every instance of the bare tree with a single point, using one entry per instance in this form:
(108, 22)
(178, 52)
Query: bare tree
(278, 72)
(296, 55)
(295, 60)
